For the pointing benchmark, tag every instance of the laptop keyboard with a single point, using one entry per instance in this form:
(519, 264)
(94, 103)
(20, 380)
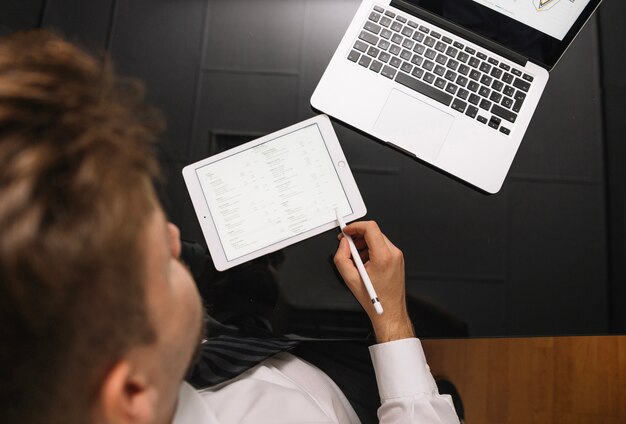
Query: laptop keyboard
(442, 68)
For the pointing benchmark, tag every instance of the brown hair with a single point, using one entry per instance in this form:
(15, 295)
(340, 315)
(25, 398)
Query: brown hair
(75, 194)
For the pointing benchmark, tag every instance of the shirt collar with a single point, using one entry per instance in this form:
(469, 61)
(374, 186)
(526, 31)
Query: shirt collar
(191, 409)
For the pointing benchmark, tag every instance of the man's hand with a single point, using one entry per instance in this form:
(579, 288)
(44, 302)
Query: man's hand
(384, 263)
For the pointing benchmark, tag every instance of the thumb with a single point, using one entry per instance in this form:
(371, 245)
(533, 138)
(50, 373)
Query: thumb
(344, 263)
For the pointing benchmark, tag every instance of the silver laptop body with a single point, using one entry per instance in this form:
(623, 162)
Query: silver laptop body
(435, 89)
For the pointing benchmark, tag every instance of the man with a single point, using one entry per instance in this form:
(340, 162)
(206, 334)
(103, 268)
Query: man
(99, 319)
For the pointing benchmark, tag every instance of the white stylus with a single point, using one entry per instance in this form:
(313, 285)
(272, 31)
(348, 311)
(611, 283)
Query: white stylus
(359, 266)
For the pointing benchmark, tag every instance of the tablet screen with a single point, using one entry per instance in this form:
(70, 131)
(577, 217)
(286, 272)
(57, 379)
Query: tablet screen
(272, 191)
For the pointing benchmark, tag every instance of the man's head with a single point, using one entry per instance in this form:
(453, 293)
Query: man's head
(98, 318)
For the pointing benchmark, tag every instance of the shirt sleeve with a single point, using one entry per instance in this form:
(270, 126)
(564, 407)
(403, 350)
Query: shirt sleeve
(408, 392)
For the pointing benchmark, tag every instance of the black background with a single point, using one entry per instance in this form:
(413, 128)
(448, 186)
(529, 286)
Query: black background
(546, 255)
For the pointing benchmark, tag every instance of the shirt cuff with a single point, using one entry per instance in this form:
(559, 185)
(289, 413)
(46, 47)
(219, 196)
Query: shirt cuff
(401, 369)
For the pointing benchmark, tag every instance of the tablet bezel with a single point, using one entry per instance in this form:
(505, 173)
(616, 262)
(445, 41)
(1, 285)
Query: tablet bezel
(203, 211)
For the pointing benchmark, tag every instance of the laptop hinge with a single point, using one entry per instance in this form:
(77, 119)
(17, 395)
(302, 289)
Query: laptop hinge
(460, 31)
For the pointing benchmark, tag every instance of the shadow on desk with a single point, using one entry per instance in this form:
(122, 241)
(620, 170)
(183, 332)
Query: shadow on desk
(571, 380)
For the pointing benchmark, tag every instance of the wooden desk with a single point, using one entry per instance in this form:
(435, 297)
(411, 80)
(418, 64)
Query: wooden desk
(571, 380)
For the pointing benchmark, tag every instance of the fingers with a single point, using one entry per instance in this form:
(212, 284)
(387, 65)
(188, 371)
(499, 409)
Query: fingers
(344, 263)
(369, 232)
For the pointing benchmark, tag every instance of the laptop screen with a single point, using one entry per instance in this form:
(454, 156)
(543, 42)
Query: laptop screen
(540, 30)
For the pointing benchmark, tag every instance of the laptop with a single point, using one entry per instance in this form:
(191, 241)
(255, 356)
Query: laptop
(453, 83)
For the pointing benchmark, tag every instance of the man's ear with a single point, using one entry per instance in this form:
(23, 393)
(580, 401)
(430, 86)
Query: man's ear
(127, 396)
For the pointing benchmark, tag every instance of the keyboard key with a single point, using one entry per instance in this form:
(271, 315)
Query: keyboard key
(383, 44)
(482, 56)
(385, 21)
(508, 78)
(397, 38)
(429, 41)
(459, 105)
(495, 97)
(519, 100)
(484, 91)
(482, 119)
(379, 9)
(406, 67)
(505, 66)
(373, 51)
(451, 88)
(485, 104)
(372, 27)
(462, 57)
(401, 19)
(504, 130)
(496, 72)
(386, 34)
(396, 26)
(425, 89)
(503, 113)
(365, 61)
(361, 46)
(497, 85)
(493, 61)
(462, 93)
(419, 48)
(417, 60)
(417, 72)
(453, 64)
(507, 102)
(354, 56)
(474, 99)
(528, 78)
(474, 62)
(413, 24)
(521, 84)
(450, 76)
(464, 69)
(446, 39)
(418, 36)
(384, 57)
(390, 14)
(516, 72)
(408, 43)
(441, 59)
(473, 86)
(440, 83)
(369, 37)
(376, 66)
(451, 51)
(407, 31)
(435, 34)
(458, 45)
(395, 62)
(430, 53)
(440, 46)
(509, 91)
(440, 70)
(471, 111)
(406, 55)
(394, 49)
(494, 122)
(424, 29)
(485, 67)
(388, 71)
(429, 77)
(462, 81)
(428, 65)
(486, 80)
(474, 74)
(470, 50)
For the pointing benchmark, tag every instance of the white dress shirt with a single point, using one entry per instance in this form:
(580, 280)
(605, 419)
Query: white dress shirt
(287, 389)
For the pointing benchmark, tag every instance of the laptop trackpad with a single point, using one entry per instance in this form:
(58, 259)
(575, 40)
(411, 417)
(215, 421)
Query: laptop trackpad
(413, 125)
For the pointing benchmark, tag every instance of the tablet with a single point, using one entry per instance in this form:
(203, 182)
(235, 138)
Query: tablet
(272, 192)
